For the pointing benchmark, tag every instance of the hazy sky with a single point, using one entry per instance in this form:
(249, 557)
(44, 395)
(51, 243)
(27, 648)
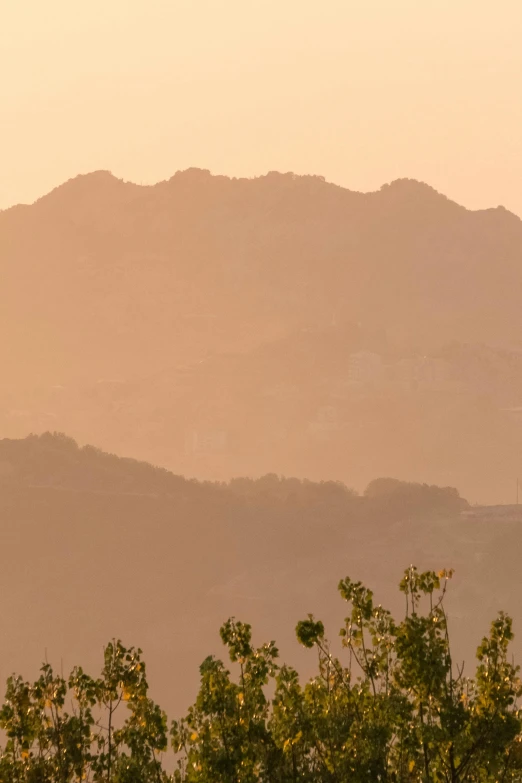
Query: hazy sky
(361, 92)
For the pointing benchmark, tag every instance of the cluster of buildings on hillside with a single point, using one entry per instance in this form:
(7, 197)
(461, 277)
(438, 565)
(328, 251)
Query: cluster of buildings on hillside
(367, 370)
(212, 424)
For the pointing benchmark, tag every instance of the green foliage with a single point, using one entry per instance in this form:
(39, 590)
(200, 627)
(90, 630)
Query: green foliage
(226, 735)
(391, 707)
(309, 632)
(396, 710)
(65, 730)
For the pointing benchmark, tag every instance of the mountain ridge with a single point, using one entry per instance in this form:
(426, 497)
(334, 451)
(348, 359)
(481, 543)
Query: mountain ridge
(105, 178)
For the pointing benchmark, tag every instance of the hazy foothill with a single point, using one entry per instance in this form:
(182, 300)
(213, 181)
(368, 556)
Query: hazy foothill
(98, 547)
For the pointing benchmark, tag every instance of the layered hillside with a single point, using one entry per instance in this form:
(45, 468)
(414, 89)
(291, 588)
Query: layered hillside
(224, 326)
(96, 546)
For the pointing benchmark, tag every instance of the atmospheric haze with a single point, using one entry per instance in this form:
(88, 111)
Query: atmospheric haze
(359, 92)
(282, 324)
(260, 307)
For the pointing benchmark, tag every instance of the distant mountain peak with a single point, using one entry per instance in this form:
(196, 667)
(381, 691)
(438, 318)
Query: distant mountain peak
(87, 185)
(103, 184)
(100, 176)
(415, 188)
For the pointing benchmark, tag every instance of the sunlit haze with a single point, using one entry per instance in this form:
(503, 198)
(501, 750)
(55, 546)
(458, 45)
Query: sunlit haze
(359, 92)
(260, 338)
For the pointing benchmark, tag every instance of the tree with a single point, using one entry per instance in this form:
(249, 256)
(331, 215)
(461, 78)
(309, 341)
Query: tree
(226, 735)
(392, 707)
(396, 710)
(59, 731)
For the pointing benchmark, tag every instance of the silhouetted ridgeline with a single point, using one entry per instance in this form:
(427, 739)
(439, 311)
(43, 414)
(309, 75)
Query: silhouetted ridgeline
(54, 460)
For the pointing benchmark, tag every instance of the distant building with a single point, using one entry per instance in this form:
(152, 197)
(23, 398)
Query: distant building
(423, 373)
(365, 369)
(327, 414)
(326, 421)
(281, 392)
(206, 442)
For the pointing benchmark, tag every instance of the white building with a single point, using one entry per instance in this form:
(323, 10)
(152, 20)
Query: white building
(206, 442)
(365, 369)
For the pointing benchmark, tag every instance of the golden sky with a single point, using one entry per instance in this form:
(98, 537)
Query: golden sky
(359, 91)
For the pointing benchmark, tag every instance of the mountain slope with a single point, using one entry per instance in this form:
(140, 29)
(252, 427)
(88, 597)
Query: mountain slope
(107, 277)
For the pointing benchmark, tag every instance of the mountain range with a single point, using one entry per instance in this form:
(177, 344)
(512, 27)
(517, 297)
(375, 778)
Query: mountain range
(222, 327)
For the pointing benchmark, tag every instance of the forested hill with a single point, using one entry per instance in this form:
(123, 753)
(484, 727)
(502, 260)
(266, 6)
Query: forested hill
(94, 546)
(54, 460)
